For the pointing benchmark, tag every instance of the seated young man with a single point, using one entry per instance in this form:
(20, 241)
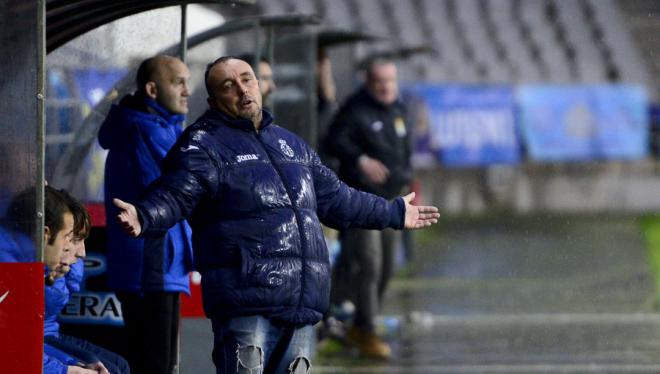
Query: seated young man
(66, 224)
(58, 295)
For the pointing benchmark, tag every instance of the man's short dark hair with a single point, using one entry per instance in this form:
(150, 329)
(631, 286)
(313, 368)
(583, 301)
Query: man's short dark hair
(23, 211)
(82, 224)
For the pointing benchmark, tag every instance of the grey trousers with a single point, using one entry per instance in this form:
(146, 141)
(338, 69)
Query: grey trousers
(363, 271)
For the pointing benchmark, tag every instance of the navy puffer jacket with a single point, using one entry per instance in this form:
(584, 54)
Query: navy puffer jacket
(255, 201)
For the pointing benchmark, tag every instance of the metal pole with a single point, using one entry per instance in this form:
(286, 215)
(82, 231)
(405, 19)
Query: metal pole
(270, 56)
(41, 127)
(184, 40)
(257, 47)
(312, 57)
(183, 49)
(270, 45)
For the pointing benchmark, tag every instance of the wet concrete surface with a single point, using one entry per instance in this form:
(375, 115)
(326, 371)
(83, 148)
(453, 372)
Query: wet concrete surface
(545, 294)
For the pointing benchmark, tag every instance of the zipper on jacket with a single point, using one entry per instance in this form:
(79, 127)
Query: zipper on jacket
(303, 252)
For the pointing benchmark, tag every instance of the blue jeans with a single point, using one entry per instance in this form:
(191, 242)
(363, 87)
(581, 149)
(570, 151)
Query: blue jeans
(255, 345)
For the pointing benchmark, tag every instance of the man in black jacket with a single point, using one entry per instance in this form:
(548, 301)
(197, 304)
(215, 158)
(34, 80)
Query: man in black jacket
(255, 195)
(370, 138)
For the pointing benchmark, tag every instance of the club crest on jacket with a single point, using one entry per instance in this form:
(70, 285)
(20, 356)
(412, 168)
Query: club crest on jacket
(285, 148)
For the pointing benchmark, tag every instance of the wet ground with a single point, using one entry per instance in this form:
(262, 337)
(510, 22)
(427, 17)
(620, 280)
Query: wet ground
(536, 294)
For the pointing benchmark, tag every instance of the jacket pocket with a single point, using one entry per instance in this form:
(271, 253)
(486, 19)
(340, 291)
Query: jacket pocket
(262, 272)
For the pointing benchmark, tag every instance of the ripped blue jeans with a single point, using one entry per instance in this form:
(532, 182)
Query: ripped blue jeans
(255, 345)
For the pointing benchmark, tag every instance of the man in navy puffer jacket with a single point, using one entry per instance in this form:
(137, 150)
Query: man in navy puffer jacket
(147, 274)
(255, 195)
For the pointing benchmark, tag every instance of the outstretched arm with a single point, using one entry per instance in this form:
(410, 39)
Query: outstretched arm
(128, 217)
(419, 216)
(342, 207)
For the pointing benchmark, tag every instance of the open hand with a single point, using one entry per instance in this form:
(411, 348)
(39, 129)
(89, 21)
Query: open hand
(128, 217)
(419, 216)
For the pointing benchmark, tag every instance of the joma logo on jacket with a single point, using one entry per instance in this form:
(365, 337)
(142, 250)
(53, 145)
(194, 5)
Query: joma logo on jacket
(241, 158)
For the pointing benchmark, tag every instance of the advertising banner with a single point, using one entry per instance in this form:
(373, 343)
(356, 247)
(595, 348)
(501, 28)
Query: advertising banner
(467, 125)
(576, 123)
(21, 317)
(191, 306)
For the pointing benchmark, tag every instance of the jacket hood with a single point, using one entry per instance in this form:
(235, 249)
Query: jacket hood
(130, 110)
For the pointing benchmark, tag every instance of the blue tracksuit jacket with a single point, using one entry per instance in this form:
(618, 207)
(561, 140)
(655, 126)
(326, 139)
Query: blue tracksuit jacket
(137, 142)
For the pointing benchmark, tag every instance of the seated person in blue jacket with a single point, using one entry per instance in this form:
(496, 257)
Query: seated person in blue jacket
(147, 274)
(255, 195)
(70, 349)
(57, 236)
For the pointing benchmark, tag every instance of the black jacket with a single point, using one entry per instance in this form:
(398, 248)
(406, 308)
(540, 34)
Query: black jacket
(364, 126)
